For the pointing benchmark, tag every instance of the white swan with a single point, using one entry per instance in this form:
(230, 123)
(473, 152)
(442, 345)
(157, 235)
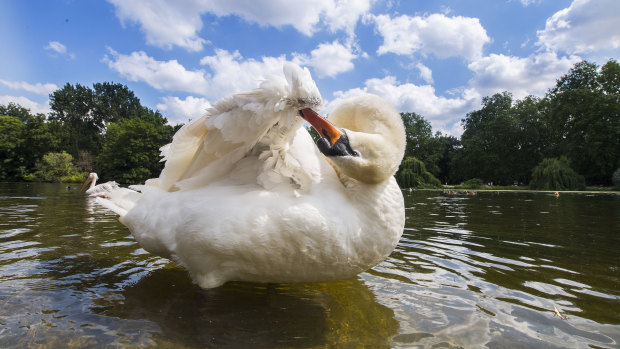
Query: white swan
(246, 195)
(98, 190)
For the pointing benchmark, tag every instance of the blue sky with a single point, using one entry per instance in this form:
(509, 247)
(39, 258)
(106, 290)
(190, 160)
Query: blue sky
(435, 58)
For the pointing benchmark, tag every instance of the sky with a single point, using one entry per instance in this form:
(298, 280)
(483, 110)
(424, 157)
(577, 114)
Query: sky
(435, 58)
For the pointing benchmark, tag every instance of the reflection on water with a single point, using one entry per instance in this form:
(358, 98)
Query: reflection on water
(470, 271)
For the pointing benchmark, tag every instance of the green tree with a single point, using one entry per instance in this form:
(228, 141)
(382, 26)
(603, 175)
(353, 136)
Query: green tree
(556, 174)
(115, 102)
(489, 141)
(72, 107)
(420, 141)
(609, 77)
(449, 147)
(531, 135)
(57, 167)
(130, 152)
(413, 174)
(584, 119)
(12, 166)
(16, 110)
(85, 112)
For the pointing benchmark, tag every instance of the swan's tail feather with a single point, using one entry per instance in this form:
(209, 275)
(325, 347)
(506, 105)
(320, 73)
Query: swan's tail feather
(120, 201)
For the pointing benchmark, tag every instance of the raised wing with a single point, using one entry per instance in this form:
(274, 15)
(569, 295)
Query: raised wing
(207, 148)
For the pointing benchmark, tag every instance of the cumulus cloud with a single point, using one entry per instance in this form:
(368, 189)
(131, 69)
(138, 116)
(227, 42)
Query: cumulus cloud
(436, 34)
(38, 88)
(443, 113)
(520, 76)
(162, 75)
(232, 73)
(585, 26)
(426, 73)
(34, 107)
(166, 24)
(181, 110)
(329, 59)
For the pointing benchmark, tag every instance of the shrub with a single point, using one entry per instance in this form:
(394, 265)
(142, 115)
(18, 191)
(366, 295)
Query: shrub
(556, 174)
(413, 174)
(56, 167)
(474, 183)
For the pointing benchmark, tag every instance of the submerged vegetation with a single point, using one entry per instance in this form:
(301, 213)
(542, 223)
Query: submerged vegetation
(507, 142)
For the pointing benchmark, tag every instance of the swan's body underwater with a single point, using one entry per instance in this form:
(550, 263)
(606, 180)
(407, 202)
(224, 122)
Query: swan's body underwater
(246, 195)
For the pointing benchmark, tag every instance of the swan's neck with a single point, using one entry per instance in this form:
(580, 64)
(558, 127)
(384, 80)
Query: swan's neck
(93, 183)
(381, 203)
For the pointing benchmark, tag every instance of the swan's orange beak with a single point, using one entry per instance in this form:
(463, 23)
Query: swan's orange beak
(322, 126)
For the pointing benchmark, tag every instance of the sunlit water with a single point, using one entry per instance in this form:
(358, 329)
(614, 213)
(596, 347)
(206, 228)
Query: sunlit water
(470, 271)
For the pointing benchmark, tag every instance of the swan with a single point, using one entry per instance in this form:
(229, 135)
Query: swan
(246, 195)
(98, 190)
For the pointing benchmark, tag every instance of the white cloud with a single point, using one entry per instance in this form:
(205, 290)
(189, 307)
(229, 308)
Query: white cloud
(436, 34)
(329, 59)
(34, 107)
(166, 24)
(520, 76)
(585, 26)
(38, 88)
(181, 110)
(233, 74)
(440, 111)
(56, 47)
(162, 75)
(227, 73)
(425, 73)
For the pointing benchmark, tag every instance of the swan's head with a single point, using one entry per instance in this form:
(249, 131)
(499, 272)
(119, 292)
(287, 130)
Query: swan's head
(366, 140)
(92, 178)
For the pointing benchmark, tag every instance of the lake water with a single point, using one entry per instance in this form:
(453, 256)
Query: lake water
(469, 272)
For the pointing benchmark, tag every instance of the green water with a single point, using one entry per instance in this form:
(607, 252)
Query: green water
(470, 271)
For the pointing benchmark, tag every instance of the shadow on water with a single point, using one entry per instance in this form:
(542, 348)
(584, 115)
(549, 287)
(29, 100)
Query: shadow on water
(253, 315)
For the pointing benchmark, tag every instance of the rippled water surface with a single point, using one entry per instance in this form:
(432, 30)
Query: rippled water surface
(470, 271)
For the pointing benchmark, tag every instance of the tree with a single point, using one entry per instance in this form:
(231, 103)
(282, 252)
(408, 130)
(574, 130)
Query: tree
(556, 174)
(584, 118)
(130, 152)
(582, 76)
(115, 102)
(489, 140)
(412, 173)
(609, 78)
(12, 165)
(449, 147)
(16, 110)
(420, 141)
(72, 107)
(57, 167)
(531, 135)
(85, 112)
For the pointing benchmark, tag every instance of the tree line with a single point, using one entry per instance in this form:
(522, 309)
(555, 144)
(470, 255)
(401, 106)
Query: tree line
(575, 128)
(576, 124)
(104, 129)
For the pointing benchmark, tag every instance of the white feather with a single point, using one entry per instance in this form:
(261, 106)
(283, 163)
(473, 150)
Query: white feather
(246, 195)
